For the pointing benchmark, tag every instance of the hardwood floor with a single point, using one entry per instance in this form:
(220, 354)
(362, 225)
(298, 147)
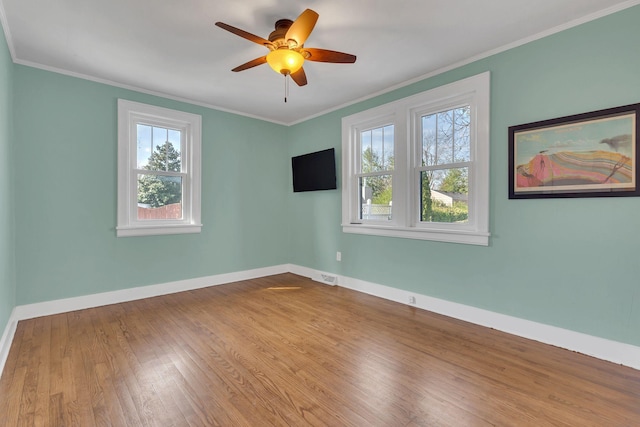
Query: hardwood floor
(284, 350)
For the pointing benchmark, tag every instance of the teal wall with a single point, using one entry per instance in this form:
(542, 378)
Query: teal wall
(65, 193)
(7, 238)
(571, 263)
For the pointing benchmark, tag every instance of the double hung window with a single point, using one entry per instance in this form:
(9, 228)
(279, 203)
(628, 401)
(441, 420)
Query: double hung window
(158, 170)
(418, 167)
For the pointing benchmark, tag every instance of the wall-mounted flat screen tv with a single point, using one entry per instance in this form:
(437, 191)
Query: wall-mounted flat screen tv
(314, 171)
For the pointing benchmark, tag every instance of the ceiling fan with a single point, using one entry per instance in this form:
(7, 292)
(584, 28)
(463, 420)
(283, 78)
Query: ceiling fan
(286, 45)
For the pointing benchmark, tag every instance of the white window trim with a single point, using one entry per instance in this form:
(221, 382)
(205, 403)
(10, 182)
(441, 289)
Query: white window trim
(405, 114)
(129, 115)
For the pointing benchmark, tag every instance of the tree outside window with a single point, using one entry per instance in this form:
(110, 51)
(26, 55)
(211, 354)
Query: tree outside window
(157, 190)
(445, 157)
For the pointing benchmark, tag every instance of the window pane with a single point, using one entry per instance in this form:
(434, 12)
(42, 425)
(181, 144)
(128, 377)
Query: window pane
(365, 151)
(159, 197)
(444, 195)
(145, 145)
(462, 143)
(428, 140)
(445, 137)
(375, 197)
(387, 152)
(158, 148)
(376, 145)
(376, 149)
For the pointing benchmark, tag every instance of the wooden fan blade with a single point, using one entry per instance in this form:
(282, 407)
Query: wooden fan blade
(302, 27)
(244, 34)
(251, 64)
(324, 55)
(299, 77)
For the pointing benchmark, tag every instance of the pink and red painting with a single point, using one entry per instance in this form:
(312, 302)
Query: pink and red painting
(585, 155)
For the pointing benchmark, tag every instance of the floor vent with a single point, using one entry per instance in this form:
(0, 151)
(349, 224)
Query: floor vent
(329, 279)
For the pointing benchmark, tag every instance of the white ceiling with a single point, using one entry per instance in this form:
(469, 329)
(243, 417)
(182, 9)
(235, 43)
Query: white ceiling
(172, 48)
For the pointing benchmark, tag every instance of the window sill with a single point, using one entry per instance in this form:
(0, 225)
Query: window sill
(450, 236)
(158, 230)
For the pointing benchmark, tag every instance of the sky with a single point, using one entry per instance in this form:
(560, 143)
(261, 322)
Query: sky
(605, 134)
(151, 136)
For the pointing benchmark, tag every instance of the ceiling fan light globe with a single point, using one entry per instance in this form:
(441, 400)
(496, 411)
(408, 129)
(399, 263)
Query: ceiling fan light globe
(285, 61)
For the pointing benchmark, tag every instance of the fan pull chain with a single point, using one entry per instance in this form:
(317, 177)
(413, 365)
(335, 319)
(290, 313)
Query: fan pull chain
(286, 87)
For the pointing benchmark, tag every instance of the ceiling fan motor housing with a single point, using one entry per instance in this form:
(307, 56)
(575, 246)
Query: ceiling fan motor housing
(277, 37)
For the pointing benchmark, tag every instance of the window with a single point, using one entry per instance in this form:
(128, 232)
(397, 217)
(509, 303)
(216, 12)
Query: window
(419, 167)
(158, 170)
(375, 173)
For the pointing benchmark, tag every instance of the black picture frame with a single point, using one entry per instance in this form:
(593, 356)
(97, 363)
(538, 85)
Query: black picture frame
(592, 154)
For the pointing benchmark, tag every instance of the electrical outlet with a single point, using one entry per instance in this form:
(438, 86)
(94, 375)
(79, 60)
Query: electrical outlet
(338, 256)
(412, 299)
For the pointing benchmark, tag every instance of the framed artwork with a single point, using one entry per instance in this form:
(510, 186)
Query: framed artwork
(586, 155)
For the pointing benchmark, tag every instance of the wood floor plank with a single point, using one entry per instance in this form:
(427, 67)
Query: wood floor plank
(12, 387)
(284, 350)
(78, 380)
(43, 393)
(56, 410)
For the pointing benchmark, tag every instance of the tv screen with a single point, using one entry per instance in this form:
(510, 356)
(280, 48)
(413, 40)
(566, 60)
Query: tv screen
(314, 171)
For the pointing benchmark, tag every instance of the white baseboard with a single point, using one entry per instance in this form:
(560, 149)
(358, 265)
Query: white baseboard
(612, 351)
(96, 300)
(601, 348)
(7, 339)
